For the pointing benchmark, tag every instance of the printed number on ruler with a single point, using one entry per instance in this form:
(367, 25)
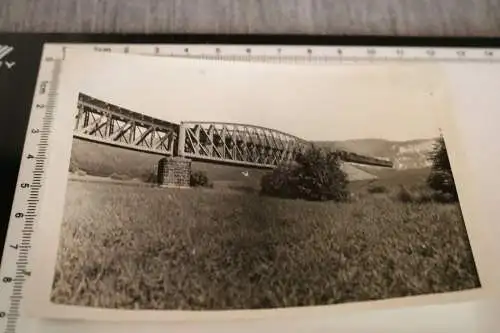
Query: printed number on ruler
(311, 54)
(15, 268)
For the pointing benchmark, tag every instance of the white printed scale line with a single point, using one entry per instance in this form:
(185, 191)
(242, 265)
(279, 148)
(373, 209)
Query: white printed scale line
(15, 266)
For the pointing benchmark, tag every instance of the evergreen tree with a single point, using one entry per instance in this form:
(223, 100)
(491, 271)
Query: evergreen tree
(441, 176)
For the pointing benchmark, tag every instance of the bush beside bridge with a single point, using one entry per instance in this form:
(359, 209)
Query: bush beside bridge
(315, 175)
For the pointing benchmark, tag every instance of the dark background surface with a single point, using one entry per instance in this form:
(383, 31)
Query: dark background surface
(312, 17)
(17, 85)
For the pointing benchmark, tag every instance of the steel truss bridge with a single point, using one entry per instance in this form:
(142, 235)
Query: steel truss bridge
(228, 143)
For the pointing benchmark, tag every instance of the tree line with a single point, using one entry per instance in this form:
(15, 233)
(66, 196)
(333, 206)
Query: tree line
(316, 175)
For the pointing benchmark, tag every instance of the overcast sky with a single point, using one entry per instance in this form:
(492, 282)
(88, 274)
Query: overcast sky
(320, 103)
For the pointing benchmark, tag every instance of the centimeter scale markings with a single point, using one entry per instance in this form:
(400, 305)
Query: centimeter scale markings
(15, 261)
(287, 54)
(22, 225)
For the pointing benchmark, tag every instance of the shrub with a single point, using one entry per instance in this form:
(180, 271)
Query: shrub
(377, 189)
(423, 197)
(404, 195)
(242, 188)
(119, 176)
(315, 175)
(199, 178)
(441, 177)
(73, 167)
(80, 173)
(151, 177)
(281, 182)
(443, 197)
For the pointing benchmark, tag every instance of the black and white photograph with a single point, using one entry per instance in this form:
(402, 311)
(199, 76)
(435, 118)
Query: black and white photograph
(241, 189)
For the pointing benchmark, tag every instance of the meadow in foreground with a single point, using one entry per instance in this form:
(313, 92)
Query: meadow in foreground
(147, 248)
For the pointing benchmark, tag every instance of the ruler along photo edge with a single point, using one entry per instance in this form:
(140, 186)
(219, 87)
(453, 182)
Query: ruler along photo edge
(31, 94)
(27, 199)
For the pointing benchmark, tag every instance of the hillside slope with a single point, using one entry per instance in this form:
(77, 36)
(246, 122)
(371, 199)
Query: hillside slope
(104, 161)
(405, 154)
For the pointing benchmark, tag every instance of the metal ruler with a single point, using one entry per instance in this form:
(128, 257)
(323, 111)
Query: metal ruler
(15, 266)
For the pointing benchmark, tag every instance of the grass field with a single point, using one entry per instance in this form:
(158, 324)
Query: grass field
(149, 248)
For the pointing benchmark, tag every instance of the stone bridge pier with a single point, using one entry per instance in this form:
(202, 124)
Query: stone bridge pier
(174, 171)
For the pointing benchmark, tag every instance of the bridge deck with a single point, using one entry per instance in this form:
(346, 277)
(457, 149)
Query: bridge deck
(347, 156)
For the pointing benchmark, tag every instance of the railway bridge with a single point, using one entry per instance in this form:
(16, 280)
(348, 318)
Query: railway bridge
(215, 142)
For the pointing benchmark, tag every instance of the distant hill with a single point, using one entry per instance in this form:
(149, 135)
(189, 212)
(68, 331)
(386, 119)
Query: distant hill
(404, 154)
(104, 161)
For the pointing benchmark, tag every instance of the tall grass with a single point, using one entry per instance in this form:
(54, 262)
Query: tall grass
(146, 248)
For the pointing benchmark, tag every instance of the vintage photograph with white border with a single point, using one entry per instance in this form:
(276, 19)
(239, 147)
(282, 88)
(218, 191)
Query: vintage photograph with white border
(190, 189)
